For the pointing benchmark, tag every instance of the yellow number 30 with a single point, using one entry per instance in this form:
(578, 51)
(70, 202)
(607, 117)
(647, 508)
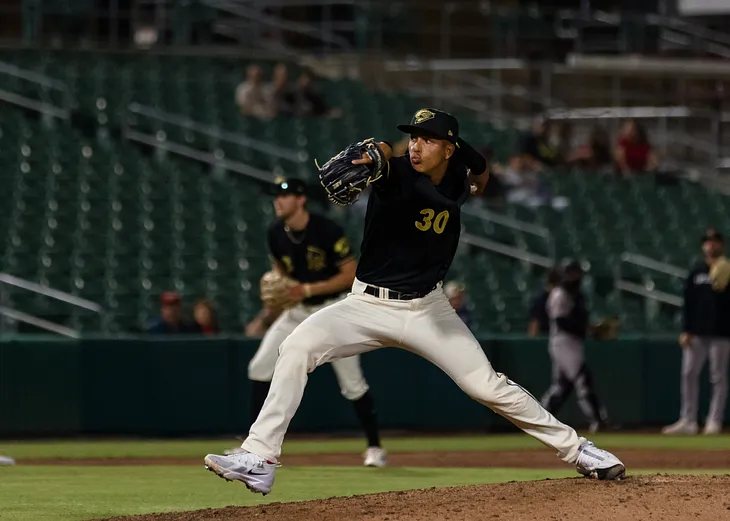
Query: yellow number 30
(439, 223)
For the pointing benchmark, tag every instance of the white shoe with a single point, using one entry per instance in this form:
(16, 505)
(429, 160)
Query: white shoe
(375, 457)
(712, 428)
(682, 426)
(599, 464)
(6, 460)
(254, 472)
(239, 450)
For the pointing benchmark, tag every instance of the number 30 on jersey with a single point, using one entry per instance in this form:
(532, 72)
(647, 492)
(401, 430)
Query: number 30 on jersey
(433, 220)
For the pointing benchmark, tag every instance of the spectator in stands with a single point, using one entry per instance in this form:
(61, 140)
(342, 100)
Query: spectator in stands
(280, 96)
(262, 322)
(595, 154)
(633, 152)
(251, 95)
(308, 103)
(537, 147)
(171, 320)
(456, 293)
(539, 321)
(205, 317)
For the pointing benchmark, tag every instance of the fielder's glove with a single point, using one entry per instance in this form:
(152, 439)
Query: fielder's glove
(343, 181)
(605, 329)
(720, 274)
(275, 290)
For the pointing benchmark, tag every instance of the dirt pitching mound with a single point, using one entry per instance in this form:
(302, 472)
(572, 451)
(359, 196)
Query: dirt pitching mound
(660, 497)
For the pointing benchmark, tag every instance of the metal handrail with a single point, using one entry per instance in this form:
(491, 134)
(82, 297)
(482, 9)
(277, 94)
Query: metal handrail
(651, 264)
(32, 76)
(296, 27)
(213, 131)
(204, 157)
(504, 249)
(516, 224)
(38, 106)
(12, 280)
(38, 322)
(50, 109)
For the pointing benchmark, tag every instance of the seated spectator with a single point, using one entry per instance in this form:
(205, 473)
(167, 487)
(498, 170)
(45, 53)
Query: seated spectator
(279, 93)
(595, 154)
(633, 152)
(205, 317)
(539, 321)
(308, 103)
(456, 293)
(251, 95)
(171, 321)
(538, 148)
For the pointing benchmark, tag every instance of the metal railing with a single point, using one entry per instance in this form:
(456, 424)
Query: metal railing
(215, 157)
(62, 296)
(652, 296)
(515, 252)
(180, 121)
(60, 110)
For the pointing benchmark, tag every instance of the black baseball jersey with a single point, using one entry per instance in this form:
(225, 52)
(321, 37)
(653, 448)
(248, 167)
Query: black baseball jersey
(310, 255)
(412, 227)
(706, 312)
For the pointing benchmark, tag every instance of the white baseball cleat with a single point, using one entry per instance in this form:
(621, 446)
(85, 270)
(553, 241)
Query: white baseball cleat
(599, 464)
(251, 470)
(6, 460)
(375, 457)
(682, 427)
(712, 428)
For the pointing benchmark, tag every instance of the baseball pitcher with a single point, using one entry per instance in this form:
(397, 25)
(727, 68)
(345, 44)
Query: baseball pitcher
(412, 229)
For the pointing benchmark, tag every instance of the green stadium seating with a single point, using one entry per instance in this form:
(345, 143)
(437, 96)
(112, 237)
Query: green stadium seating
(94, 215)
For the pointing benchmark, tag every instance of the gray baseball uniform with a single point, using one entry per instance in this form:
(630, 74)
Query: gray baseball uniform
(693, 360)
(567, 354)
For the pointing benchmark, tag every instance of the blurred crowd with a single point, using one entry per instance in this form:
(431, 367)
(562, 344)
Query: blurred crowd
(548, 147)
(279, 97)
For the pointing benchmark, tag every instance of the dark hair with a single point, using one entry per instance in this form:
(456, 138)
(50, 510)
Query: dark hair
(553, 276)
(641, 136)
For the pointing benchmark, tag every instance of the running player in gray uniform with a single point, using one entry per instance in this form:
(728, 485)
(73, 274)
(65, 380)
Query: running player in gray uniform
(411, 235)
(568, 316)
(706, 334)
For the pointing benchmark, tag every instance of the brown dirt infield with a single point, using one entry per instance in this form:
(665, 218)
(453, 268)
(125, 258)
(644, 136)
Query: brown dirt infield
(658, 497)
(634, 458)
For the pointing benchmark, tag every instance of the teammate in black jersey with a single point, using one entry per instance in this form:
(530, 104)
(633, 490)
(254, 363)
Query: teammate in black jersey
(411, 233)
(316, 252)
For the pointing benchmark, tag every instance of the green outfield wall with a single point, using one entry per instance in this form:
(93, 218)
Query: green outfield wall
(195, 386)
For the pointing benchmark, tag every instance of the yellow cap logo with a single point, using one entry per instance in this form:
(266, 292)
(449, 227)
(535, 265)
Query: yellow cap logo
(423, 115)
(451, 133)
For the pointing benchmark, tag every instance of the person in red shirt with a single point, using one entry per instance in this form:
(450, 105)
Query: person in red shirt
(633, 152)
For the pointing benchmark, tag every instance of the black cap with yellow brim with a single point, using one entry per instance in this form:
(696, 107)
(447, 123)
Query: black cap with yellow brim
(442, 125)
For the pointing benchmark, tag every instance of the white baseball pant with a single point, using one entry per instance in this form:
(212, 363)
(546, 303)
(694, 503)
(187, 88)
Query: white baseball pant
(430, 328)
(261, 367)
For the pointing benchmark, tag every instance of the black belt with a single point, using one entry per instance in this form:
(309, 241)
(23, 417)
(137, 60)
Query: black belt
(395, 295)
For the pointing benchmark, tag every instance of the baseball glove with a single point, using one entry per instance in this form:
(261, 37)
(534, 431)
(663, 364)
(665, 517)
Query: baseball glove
(720, 274)
(343, 181)
(275, 290)
(605, 329)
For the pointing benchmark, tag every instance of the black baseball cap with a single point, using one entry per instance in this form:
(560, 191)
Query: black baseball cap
(713, 235)
(284, 186)
(442, 125)
(573, 266)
